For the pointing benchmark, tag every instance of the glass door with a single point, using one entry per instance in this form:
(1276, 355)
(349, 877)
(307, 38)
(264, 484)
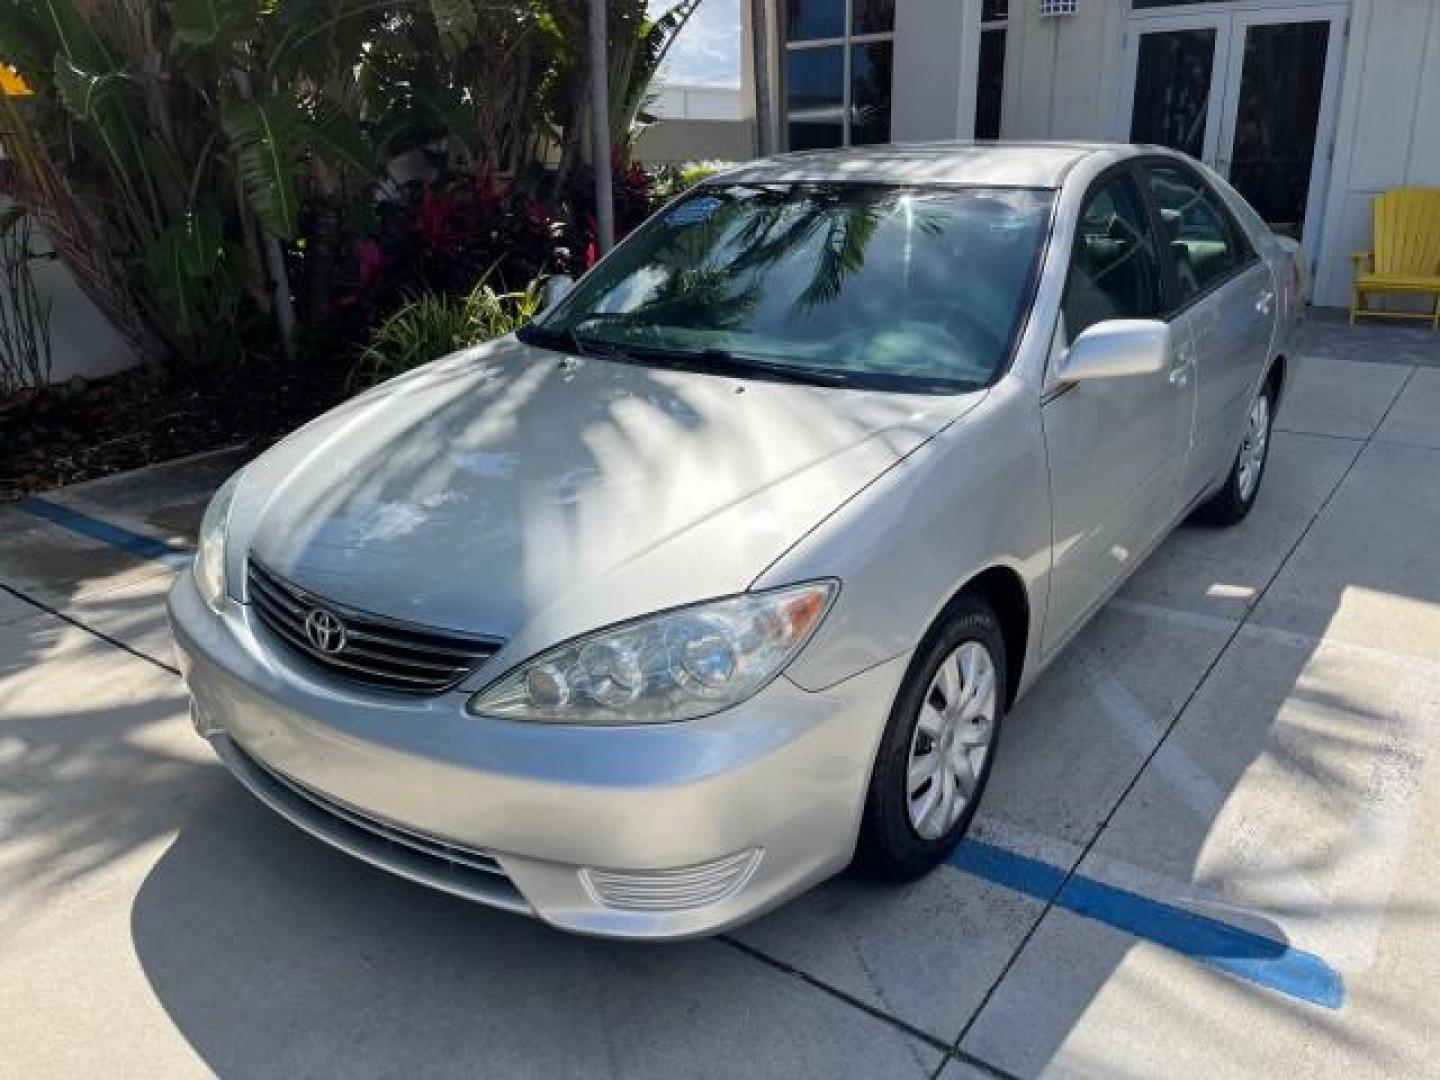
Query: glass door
(1176, 83)
(1250, 93)
(1280, 115)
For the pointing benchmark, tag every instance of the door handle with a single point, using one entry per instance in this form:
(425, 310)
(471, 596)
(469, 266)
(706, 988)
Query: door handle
(1264, 302)
(1180, 373)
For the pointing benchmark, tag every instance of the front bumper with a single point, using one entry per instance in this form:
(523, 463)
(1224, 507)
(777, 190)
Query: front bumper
(647, 831)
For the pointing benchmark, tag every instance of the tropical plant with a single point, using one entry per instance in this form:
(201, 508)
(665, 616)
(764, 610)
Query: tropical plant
(208, 168)
(673, 180)
(433, 325)
(24, 316)
(186, 130)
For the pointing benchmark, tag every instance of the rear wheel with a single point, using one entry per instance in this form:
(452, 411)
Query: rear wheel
(1231, 503)
(938, 748)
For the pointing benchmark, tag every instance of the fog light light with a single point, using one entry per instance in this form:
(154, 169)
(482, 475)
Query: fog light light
(673, 889)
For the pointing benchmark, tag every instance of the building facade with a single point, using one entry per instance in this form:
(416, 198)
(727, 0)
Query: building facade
(1309, 107)
(694, 122)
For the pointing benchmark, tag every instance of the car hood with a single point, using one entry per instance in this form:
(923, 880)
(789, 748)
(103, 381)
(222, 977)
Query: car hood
(512, 491)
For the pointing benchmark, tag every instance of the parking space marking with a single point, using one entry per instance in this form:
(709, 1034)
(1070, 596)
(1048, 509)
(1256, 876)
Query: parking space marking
(1197, 789)
(1253, 957)
(116, 536)
(1243, 953)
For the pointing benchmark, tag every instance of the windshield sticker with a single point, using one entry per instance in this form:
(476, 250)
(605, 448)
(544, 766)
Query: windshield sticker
(693, 211)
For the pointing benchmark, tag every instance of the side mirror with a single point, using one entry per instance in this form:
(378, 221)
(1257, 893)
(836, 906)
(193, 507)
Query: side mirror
(1115, 348)
(556, 289)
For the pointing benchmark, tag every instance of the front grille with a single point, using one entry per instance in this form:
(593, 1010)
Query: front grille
(372, 649)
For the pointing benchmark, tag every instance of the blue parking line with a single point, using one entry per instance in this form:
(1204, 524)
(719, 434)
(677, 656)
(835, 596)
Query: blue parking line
(1246, 955)
(117, 536)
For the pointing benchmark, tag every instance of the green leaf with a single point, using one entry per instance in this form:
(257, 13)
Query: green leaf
(73, 35)
(208, 22)
(200, 242)
(85, 94)
(103, 102)
(335, 135)
(192, 274)
(262, 139)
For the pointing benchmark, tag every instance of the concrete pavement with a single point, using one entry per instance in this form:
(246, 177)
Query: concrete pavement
(1202, 853)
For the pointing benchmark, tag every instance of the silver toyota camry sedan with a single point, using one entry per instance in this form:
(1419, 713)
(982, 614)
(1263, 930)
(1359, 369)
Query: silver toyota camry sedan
(722, 574)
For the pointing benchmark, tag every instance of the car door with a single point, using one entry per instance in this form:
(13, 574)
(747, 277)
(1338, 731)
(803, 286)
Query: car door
(1117, 448)
(1228, 295)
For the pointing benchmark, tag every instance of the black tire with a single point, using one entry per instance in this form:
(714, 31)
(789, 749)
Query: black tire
(1231, 503)
(889, 847)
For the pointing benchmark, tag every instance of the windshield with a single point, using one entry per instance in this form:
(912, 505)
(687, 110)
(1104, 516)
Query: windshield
(904, 288)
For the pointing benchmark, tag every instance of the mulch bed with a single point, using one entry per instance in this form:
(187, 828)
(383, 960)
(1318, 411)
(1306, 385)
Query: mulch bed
(88, 428)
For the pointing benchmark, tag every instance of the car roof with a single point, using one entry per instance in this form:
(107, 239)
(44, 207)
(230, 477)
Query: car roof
(1006, 164)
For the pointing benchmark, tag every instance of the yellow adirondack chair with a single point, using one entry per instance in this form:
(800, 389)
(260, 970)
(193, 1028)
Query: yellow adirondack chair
(1406, 258)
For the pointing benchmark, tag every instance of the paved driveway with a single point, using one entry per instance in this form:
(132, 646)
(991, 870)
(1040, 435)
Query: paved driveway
(1205, 851)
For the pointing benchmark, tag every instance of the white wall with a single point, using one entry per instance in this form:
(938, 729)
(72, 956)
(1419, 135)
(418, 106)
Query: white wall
(939, 40)
(1389, 128)
(1062, 74)
(677, 142)
(694, 101)
(82, 341)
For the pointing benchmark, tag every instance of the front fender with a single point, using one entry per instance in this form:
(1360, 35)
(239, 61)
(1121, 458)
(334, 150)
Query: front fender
(975, 496)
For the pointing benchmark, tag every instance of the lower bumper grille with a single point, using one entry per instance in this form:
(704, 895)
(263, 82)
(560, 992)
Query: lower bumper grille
(468, 872)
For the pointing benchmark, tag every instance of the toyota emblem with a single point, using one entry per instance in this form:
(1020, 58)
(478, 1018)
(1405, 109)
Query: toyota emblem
(324, 631)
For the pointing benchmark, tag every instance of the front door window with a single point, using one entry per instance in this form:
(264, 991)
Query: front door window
(1114, 266)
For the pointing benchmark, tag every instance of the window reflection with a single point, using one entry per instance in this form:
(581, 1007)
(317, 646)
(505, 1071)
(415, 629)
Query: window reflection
(809, 19)
(870, 81)
(916, 288)
(1172, 89)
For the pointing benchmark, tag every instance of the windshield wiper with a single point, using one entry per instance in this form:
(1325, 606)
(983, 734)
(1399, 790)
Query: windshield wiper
(717, 360)
(800, 373)
(722, 360)
(567, 341)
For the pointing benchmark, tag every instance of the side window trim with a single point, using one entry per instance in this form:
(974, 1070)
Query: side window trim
(1169, 269)
(1250, 257)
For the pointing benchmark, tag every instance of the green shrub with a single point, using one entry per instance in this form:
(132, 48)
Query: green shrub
(431, 325)
(672, 180)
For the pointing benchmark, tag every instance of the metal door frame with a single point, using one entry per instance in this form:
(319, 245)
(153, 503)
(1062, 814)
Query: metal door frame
(1231, 22)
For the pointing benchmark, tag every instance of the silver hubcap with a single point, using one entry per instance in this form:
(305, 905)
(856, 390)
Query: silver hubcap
(951, 741)
(1252, 450)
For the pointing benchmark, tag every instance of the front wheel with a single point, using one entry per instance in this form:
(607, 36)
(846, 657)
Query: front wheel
(1231, 503)
(938, 747)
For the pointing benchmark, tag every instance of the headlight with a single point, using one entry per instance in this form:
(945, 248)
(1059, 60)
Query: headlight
(678, 665)
(210, 555)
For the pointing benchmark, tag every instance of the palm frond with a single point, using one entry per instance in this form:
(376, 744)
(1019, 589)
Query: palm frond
(262, 140)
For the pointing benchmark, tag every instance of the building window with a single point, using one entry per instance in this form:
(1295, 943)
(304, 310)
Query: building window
(838, 72)
(990, 81)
